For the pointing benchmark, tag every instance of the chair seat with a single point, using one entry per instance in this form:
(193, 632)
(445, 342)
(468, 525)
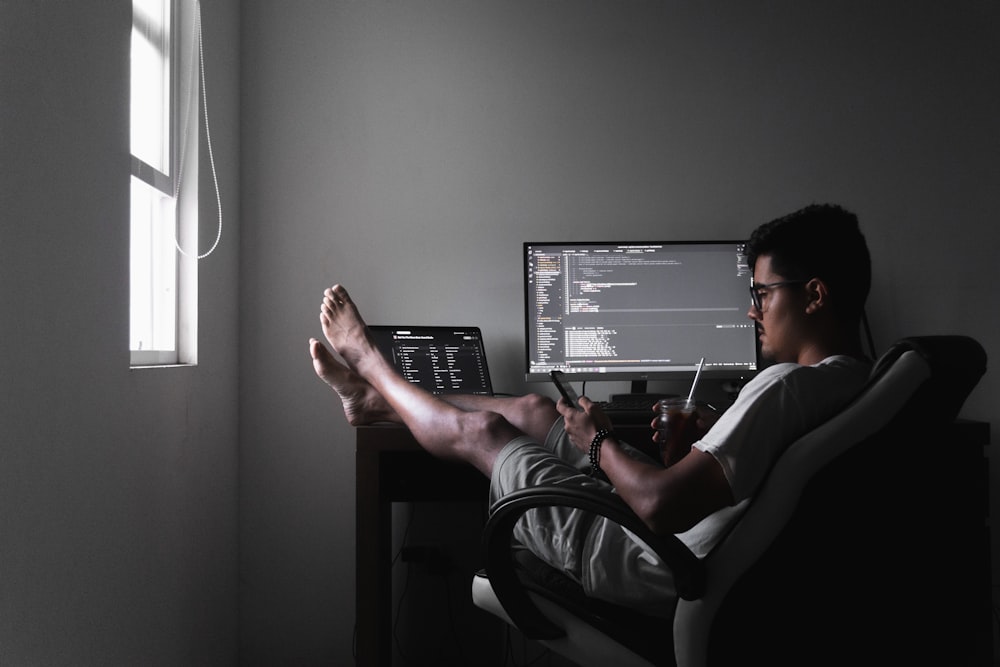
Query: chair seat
(581, 643)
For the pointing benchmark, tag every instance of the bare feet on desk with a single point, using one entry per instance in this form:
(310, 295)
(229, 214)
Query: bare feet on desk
(362, 404)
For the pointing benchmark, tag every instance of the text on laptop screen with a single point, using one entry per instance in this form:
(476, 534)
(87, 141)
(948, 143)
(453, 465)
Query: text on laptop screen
(442, 360)
(637, 310)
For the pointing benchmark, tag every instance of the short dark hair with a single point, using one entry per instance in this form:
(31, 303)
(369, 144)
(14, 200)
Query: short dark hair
(819, 241)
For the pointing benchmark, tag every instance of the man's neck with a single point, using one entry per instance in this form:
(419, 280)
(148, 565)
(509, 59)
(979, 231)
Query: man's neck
(817, 351)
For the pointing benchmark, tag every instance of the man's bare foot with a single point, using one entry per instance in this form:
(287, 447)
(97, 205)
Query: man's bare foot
(345, 330)
(362, 404)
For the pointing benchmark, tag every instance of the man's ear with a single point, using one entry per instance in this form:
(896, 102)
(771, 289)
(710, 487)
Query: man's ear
(819, 295)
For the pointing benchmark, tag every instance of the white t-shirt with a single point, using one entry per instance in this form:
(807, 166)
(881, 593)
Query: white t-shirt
(782, 403)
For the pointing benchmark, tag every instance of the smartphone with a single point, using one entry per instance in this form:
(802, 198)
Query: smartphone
(559, 380)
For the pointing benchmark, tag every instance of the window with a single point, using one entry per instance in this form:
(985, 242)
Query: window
(164, 148)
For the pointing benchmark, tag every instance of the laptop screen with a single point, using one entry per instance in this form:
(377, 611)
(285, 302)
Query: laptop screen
(441, 359)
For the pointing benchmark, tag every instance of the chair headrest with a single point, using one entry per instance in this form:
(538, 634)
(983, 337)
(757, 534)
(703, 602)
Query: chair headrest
(956, 364)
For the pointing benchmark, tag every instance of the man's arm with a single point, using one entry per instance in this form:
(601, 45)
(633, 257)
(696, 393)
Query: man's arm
(668, 500)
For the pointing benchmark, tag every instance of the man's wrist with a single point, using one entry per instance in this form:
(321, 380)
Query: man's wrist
(595, 450)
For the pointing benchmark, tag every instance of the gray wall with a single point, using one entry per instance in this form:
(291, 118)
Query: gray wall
(407, 149)
(118, 496)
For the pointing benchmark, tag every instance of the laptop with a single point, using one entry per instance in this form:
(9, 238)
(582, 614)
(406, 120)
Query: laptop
(441, 359)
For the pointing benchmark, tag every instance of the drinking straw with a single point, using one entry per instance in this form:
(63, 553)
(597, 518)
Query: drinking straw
(696, 376)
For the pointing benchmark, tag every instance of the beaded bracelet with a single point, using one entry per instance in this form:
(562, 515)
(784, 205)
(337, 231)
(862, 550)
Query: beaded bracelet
(595, 451)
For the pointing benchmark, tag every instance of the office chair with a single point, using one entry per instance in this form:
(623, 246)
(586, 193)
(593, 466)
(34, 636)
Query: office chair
(855, 549)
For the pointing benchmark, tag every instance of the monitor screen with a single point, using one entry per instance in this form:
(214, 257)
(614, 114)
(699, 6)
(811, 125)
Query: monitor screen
(638, 311)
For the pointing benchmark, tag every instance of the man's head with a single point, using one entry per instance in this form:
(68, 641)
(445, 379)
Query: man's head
(818, 263)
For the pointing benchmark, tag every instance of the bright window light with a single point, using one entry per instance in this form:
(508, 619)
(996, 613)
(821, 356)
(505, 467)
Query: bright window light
(164, 140)
(153, 273)
(151, 58)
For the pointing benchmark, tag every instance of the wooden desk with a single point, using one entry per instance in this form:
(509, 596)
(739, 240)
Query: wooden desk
(391, 467)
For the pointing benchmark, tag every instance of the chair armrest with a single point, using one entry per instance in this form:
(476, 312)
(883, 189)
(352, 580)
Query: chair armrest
(688, 570)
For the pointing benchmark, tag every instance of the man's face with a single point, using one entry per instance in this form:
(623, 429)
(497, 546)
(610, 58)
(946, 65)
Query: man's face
(779, 320)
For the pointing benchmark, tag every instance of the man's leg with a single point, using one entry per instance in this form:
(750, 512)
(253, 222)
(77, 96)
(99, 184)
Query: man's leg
(532, 414)
(442, 429)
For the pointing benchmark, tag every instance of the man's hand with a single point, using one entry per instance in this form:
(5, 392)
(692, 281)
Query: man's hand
(707, 417)
(581, 425)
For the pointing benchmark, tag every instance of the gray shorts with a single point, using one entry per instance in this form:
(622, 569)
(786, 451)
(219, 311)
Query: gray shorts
(596, 553)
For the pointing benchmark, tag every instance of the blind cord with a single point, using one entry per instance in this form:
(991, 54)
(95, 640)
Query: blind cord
(208, 138)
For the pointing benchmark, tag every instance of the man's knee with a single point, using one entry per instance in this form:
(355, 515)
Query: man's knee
(536, 405)
(490, 426)
(530, 415)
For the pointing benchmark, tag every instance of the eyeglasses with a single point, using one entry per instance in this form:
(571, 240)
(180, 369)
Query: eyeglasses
(758, 290)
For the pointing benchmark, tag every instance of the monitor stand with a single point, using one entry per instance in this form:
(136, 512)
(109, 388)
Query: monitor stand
(638, 394)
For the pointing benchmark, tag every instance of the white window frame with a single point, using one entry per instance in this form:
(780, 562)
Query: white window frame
(164, 211)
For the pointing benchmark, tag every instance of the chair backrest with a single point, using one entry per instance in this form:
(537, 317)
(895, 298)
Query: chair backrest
(925, 379)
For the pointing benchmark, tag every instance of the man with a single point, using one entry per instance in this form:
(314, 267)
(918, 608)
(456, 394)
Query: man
(811, 273)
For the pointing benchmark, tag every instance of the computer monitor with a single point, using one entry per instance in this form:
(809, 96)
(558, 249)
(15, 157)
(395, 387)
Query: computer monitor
(638, 310)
